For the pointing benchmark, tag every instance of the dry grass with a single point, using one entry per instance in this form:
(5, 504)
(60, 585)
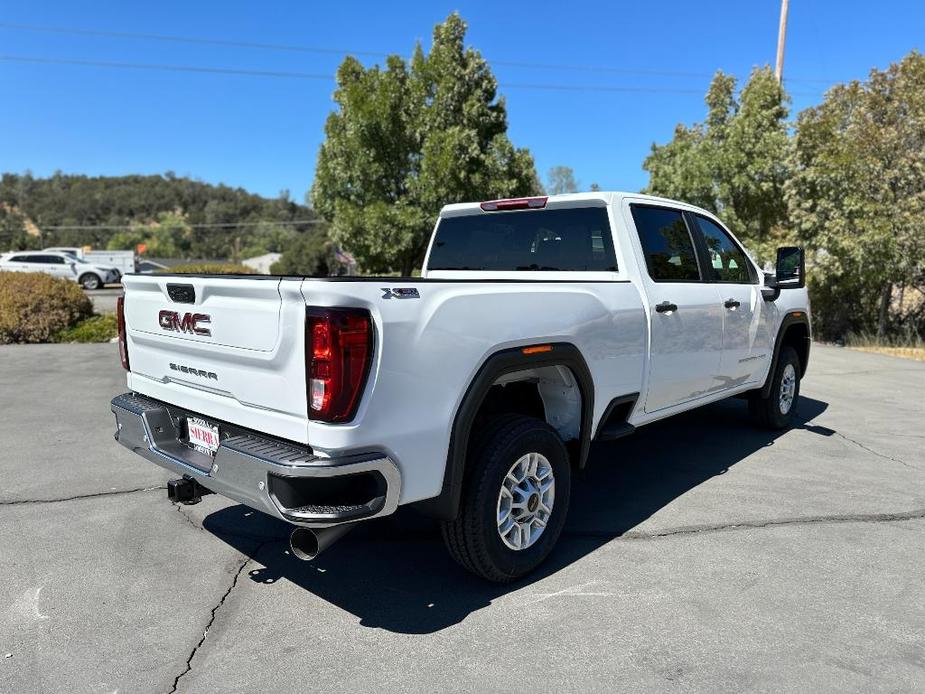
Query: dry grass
(917, 353)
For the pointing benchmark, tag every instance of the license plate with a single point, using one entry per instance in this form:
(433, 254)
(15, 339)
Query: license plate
(202, 435)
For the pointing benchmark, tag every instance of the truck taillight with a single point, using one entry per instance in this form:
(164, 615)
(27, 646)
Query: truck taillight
(338, 351)
(120, 321)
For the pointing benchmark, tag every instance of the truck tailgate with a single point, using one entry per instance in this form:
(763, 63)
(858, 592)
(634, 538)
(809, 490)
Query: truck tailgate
(229, 348)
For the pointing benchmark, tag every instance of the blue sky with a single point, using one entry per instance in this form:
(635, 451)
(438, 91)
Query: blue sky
(263, 133)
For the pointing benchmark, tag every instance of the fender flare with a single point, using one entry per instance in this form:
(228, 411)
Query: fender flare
(445, 506)
(791, 319)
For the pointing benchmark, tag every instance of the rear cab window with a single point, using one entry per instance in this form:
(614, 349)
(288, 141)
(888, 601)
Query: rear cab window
(560, 239)
(666, 244)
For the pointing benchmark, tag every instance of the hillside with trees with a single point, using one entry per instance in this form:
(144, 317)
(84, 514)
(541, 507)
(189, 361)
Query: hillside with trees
(174, 216)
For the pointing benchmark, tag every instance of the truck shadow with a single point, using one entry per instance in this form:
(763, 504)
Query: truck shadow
(395, 574)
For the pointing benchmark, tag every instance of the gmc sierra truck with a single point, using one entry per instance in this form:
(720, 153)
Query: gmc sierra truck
(538, 326)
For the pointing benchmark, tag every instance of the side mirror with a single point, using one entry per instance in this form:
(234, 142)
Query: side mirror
(789, 273)
(791, 268)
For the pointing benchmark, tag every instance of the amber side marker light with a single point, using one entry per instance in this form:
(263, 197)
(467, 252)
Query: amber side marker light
(538, 349)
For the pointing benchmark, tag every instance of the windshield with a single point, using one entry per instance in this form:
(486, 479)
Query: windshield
(575, 238)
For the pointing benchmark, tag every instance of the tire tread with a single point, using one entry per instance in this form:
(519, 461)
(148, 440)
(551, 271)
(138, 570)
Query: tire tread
(462, 536)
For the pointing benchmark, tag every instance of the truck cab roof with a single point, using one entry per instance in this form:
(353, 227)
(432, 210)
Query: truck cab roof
(567, 200)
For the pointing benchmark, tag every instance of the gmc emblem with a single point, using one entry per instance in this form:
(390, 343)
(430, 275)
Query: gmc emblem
(188, 323)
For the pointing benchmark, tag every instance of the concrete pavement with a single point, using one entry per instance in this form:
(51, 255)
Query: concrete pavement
(104, 300)
(700, 555)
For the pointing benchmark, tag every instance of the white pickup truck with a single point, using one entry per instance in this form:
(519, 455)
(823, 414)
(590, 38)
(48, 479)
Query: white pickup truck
(538, 326)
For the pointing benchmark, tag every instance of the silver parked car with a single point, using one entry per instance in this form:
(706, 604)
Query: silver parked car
(88, 275)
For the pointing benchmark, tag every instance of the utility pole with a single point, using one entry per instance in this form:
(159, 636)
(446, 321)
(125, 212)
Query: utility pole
(781, 40)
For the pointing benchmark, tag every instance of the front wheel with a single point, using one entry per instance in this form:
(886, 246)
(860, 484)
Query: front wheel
(778, 409)
(514, 499)
(90, 281)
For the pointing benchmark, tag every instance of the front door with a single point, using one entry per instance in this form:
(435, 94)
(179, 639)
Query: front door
(687, 320)
(746, 338)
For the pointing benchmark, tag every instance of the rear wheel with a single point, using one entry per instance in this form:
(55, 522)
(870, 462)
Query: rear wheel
(778, 409)
(90, 281)
(514, 500)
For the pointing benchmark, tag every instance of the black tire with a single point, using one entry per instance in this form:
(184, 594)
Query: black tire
(473, 539)
(768, 412)
(90, 281)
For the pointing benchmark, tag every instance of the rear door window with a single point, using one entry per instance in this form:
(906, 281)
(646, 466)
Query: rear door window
(666, 244)
(574, 238)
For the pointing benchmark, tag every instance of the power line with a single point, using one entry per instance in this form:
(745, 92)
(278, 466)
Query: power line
(164, 67)
(217, 225)
(318, 76)
(230, 43)
(295, 48)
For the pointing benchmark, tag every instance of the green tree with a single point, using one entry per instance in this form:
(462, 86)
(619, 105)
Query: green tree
(310, 254)
(734, 163)
(561, 179)
(407, 139)
(857, 200)
(169, 237)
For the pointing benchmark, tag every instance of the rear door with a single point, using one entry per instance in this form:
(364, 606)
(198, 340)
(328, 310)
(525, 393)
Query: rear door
(58, 266)
(686, 335)
(746, 339)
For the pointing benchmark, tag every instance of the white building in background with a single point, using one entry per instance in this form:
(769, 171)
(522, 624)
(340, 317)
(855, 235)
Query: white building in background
(262, 263)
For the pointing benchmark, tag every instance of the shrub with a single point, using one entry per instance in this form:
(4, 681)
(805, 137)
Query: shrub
(210, 269)
(94, 329)
(34, 306)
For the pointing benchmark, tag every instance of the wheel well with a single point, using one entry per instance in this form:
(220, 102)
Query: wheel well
(549, 393)
(797, 336)
(558, 360)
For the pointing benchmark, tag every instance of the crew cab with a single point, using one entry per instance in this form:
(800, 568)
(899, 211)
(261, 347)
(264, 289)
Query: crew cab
(538, 326)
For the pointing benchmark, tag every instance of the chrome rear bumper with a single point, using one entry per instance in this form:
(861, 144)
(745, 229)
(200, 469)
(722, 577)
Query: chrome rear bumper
(277, 477)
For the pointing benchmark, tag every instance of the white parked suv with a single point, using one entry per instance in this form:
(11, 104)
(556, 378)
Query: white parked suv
(538, 326)
(60, 264)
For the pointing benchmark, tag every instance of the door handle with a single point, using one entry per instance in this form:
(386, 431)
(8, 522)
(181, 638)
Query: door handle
(732, 303)
(666, 307)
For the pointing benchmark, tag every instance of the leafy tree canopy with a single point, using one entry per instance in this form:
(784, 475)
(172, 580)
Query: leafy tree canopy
(734, 163)
(857, 198)
(408, 138)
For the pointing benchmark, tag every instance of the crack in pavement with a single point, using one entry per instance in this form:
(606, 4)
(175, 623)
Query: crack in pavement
(205, 633)
(93, 495)
(840, 435)
(877, 453)
(189, 520)
(917, 514)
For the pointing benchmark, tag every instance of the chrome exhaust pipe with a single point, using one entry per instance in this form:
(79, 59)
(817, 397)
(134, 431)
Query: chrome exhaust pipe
(307, 543)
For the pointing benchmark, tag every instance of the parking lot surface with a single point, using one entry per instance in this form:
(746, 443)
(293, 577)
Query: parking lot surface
(104, 300)
(701, 554)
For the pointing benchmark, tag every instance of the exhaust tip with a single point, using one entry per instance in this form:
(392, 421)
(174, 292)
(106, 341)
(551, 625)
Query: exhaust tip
(304, 544)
